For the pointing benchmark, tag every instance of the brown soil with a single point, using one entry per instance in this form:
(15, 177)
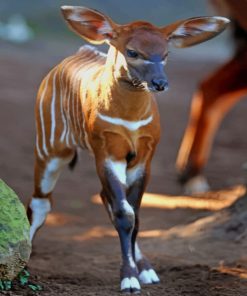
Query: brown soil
(193, 246)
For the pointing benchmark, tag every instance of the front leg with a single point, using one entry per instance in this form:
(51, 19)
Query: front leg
(137, 178)
(113, 177)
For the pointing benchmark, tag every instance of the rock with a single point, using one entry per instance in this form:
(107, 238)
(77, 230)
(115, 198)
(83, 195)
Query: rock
(15, 245)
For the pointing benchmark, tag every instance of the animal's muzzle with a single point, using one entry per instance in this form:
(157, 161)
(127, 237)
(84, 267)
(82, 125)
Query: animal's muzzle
(160, 84)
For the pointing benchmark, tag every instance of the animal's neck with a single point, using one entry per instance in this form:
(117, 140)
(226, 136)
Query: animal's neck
(122, 98)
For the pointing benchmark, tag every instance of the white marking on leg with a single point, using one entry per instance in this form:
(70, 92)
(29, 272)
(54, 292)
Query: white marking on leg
(42, 115)
(148, 277)
(197, 184)
(125, 284)
(134, 174)
(53, 111)
(130, 125)
(127, 207)
(40, 208)
(51, 174)
(130, 283)
(118, 168)
(144, 277)
(153, 276)
(131, 261)
(138, 253)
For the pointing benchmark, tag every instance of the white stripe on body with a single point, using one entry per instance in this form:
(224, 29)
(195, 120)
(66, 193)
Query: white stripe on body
(68, 120)
(61, 107)
(63, 95)
(81, 68)
(40, 208)
(65, 85)
(130, 125)
(53, 110)
(79, 75)
(82, 64)
(42, 114)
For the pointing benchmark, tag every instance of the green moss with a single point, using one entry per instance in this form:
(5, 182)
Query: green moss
(15, 246)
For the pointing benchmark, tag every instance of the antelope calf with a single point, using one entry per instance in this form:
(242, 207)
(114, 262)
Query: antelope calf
(105, 103)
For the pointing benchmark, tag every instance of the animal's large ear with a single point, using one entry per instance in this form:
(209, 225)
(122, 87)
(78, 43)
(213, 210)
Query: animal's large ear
(194, 30)
(92, 25)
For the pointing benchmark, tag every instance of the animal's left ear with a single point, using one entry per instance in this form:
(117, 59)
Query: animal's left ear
(194, 30)
(90, 24)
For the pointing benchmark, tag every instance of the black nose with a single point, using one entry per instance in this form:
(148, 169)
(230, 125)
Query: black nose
(160, 84)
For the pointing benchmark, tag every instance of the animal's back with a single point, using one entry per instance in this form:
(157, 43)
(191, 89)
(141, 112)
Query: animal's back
(59, 116)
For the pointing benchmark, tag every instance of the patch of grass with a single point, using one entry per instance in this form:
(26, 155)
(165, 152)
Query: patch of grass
(23, 280)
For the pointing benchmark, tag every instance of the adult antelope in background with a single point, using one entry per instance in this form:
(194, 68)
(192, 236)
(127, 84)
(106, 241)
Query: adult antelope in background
(104, 103)
(215, 96)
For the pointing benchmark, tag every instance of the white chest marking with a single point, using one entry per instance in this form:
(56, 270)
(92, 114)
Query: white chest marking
(40, 208)
(130, 125)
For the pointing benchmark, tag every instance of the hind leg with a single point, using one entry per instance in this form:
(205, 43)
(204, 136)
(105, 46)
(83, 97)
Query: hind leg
(215, 97)
(47, 172)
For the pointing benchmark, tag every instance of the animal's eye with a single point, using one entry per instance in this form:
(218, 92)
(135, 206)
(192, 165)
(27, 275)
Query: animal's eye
(132, 53)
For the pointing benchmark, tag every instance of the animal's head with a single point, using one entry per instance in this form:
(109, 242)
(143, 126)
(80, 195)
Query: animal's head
(143, 47)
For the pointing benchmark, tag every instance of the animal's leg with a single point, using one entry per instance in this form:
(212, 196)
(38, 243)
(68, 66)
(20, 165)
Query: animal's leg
(47, 172)
(137, 178)
(112, 173)
(211, 102)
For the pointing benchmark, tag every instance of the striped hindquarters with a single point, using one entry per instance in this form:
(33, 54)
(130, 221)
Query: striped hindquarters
(60, 121)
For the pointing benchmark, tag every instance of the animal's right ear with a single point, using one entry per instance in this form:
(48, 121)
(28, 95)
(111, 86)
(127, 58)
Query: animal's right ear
(90, 24)
(194, 30)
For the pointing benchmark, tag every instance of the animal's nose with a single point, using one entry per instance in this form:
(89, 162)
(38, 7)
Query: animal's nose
(160, 84)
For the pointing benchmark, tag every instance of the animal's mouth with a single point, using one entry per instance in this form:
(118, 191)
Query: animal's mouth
(138, 83)
(153, 89)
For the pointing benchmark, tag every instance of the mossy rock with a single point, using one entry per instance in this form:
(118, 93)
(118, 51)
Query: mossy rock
(15, 245)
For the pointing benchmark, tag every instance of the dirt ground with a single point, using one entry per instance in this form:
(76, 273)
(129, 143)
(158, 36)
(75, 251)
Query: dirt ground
(77, 252)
